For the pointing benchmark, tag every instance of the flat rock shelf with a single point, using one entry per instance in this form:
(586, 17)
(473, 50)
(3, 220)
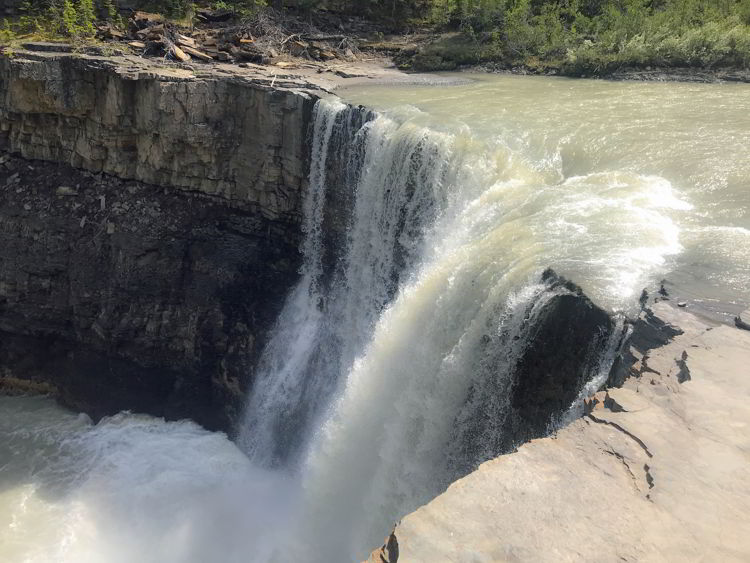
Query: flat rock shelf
(656, 470)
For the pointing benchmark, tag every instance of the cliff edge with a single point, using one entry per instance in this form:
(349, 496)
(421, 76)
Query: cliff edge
(657, 470)
(150, 225)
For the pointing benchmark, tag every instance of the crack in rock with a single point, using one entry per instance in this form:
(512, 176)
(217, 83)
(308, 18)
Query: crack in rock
(632, 436)
(625, 463)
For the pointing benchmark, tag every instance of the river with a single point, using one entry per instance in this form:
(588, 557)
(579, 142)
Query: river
(459, 197)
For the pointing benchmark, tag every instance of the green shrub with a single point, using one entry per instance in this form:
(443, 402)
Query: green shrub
(598, 36)
(69, 18)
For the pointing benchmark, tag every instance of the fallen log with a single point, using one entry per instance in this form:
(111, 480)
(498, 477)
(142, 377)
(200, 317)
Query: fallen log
(179, 54)
(338, 37)
(186, 41)
(196, 53)
(214, 15)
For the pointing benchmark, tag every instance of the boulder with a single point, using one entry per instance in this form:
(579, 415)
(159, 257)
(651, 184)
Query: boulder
(743, 320)
(562, 337)
(562, 352)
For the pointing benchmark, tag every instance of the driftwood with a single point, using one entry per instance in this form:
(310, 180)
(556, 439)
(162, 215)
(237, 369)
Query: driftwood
(214, 15)
(186, 41)
(313, 37)
(179, 54)
(196, 53)
(259, 38)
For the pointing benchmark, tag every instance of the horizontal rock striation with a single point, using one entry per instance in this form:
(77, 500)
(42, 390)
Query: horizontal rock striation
(229, 135)
(147, 250)
(124, 296)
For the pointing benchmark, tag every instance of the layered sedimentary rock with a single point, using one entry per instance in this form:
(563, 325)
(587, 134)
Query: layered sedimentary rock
(227, 134)
(144, 260)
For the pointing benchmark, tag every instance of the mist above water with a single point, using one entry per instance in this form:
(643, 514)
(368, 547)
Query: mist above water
(447, 206)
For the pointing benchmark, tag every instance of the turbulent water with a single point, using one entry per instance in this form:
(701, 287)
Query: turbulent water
(427, 227)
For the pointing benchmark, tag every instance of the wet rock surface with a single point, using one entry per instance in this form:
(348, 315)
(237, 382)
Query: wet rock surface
(566, 334)
(656, 471)
(121, 295)
(562, 355)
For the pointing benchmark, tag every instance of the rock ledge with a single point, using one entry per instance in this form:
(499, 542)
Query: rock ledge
(658, 470)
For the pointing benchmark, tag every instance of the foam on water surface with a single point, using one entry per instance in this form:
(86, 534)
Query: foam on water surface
(449, 205)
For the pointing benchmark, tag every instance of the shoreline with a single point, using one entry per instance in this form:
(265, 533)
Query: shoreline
(631, 74)
(380, 70)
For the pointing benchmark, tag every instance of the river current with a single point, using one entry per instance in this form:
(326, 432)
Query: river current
(458, 198)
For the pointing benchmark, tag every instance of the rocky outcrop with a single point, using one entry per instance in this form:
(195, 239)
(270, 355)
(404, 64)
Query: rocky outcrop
(218, 133)
(564, 350)
(128, 296)
(657, 471)
(148, 249)
(565, 335)
(743, 321)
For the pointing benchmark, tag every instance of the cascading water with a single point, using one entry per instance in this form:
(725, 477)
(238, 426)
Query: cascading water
(407, 321)
(353, 260)
(422, 323)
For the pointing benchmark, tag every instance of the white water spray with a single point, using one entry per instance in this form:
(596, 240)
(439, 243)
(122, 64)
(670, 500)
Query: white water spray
(389, 370)
(383, 361)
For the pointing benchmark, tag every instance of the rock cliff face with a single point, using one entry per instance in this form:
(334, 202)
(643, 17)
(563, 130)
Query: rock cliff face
(143, 261)
(231, 136)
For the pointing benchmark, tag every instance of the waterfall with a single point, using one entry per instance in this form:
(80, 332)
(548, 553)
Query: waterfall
(281, 388)
(390, 369)
(365, 212)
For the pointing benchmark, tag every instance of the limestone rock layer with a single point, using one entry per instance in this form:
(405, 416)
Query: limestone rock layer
(149, 228)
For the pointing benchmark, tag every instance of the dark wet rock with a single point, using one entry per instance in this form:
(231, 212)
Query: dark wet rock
(565, 333)
(563, 351)
(663, 290)
(128, 296)
(741, 321)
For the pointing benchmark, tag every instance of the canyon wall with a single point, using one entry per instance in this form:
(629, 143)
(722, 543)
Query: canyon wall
(150, 221)
(227, 135)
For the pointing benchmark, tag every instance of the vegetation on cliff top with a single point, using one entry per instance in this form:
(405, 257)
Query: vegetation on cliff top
(591, 36)
(575, 37)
